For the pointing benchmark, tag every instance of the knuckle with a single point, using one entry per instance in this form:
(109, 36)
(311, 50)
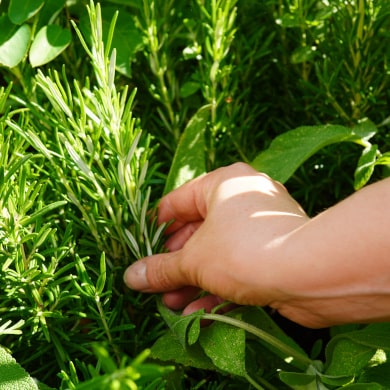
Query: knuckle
(159, 277)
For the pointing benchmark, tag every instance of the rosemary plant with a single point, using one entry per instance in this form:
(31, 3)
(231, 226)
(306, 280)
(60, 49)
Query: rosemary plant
(74, 210)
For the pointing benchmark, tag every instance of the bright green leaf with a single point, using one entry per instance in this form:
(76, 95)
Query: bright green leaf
(224, 344)
(14, 42)
(383, 159)
(189, 159)
(290, 150)
(349, 353)
(12, 375)
(49, 42)
(21, 10)
(348, 358)
(365, 166)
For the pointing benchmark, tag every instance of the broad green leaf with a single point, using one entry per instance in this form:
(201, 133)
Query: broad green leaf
(348, 357)
(14, 42)
(169, 348)
(376, 336)
(189, 159)
(127, 39)
(349, 353)
(313, 379)
(49, 42)
(12, 375)
(365, 166)
(224, 344)
(290, 150)
(299, 381)
(21, 10)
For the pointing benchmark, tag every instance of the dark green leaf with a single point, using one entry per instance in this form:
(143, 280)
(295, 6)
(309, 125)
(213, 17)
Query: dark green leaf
(21, 10)
(49, 42)
(169, 348)
(290, 150)
(365, 166)
(189, 88)
(379, 374)
(14, 42)
(189, 160)
(299, 381)
(49, 12)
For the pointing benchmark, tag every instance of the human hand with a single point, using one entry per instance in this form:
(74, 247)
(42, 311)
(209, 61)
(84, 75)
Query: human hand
(239, 236)
(227, 228)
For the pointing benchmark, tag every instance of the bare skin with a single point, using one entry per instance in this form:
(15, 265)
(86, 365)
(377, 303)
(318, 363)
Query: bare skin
(241, 237)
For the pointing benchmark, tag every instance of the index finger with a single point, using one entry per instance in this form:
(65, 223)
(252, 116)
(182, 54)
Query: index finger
(184, 205)
(190, 202)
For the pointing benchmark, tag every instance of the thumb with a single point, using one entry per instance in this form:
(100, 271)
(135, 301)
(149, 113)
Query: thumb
(157, 273)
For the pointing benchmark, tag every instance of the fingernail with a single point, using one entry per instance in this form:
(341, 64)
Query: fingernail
(135, 276)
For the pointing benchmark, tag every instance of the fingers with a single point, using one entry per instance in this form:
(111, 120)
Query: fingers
(158, 273)
(190, 202)
(177, 240)
(183, 205)
(179, 299)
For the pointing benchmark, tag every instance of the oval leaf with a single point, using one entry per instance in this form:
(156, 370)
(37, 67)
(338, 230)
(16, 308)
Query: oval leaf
(12, 375)
(21, 10)
(189, 159)
(224, 344)
(50, 41)
(290, 150)
(14, 42)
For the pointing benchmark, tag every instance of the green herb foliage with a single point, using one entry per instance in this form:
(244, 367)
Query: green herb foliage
(105, 107)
